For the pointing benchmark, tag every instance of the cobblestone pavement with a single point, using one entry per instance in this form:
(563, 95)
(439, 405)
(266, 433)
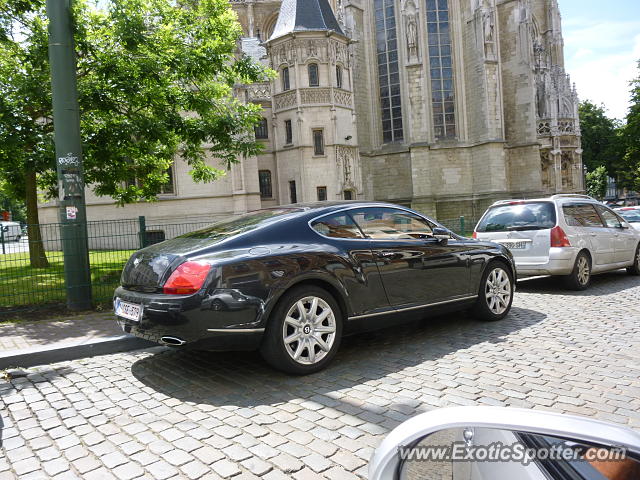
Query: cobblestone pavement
(166, 414)
(15, 336)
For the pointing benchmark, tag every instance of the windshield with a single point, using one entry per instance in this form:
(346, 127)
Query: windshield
(236, 225)
(519, 216)
(631, 216)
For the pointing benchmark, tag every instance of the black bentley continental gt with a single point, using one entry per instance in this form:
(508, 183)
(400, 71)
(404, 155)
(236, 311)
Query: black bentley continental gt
(292, 280)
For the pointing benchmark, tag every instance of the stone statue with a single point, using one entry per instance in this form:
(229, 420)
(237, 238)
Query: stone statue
(488, 30)
(412, 36)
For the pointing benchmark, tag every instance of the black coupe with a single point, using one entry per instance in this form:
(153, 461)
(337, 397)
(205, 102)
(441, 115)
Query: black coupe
(292, 280)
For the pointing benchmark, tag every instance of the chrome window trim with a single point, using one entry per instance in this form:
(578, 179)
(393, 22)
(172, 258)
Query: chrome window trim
(376, 205)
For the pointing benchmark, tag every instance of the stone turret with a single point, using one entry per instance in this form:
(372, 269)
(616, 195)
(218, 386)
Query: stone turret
(313, 116)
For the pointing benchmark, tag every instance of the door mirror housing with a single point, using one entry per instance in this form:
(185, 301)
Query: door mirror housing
(488, 443)
(441, 234)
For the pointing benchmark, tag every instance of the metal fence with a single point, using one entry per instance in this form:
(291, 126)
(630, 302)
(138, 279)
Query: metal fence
(32, 275)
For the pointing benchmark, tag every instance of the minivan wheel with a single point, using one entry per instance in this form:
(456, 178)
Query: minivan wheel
(304, 331)
(580, 277)
(635, 268)
(496, 293)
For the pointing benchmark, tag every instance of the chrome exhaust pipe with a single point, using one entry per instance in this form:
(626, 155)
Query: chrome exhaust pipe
(173, 341)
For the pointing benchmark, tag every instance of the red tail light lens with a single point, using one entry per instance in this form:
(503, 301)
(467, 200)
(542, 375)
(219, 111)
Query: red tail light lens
(474, 235)
(559, 238)
(187, 278)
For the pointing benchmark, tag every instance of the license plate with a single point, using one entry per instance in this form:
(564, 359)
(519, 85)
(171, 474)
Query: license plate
(515, 245)
(130, 311)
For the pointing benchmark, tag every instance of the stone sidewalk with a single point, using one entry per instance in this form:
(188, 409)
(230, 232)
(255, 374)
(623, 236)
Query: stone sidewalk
(70, 330)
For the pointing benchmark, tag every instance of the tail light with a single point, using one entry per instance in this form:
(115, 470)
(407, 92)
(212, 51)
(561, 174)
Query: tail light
(474, 235)
(559, 238)
(187, 278)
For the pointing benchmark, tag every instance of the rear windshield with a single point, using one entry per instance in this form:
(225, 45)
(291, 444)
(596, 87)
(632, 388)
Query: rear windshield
(519, 216)
(234, 226)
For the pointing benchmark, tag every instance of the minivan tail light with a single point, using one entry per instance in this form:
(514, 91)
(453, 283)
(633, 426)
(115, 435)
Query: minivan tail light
(559, 238)
(474, 235)
(187, 278)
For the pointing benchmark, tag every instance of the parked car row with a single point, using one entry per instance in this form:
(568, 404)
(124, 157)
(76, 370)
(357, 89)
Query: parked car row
(291, 281)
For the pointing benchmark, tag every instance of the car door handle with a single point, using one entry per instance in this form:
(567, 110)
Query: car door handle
(385, 254)
(593, 234)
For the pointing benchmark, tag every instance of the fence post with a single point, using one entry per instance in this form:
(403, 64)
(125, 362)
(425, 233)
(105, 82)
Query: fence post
(462, 230)
(2, 238)
(142, 222)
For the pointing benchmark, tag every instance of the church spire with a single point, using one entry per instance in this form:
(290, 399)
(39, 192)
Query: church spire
(305, 16)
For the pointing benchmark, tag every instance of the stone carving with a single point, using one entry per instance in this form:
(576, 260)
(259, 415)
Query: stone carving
(565, 171)
(488, 31)
(544, 129)
(338, 53)
(411, 31)
(340, 13)
(547, 171)
(314, 95)
(259, 91)
(285, 100)
(346, 157)
(566, 127)
(342, 97)
(312, 48)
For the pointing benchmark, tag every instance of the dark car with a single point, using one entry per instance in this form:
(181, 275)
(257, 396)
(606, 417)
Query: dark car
(291, 281)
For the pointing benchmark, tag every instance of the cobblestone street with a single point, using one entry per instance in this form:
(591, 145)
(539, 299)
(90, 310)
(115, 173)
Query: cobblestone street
(161, 413)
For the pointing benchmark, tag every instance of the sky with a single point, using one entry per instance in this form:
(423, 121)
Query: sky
(602, 48)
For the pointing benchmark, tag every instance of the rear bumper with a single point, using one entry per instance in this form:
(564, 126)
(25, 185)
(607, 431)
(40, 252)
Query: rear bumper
(222, 320)
(560, 262)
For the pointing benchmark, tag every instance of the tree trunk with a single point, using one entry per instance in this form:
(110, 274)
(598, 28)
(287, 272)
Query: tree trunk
(37, 254)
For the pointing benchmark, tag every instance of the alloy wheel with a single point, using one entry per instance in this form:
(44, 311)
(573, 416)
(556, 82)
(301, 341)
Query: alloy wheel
(309, 330)
(583, 270)
(498, 291)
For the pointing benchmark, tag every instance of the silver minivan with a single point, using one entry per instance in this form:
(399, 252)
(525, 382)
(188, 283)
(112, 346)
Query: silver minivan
(574, 236)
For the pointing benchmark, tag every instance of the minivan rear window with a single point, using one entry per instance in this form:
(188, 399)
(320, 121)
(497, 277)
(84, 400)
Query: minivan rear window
(519, 216)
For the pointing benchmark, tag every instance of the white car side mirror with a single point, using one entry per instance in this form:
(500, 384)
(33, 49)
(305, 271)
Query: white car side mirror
(496, 443)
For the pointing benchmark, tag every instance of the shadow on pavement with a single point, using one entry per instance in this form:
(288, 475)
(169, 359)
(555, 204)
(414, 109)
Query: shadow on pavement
(242, 379)
(601, 284)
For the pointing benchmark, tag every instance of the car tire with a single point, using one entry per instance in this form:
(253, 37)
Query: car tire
(580, 277)
(495, 295)
(635, 268)
(305, 342)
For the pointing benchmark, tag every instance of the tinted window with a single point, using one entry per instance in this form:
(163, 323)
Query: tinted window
(519, 216)
(610, 218)
(337, 225)
(581, 215)
(391, 224)
(632, 216)
(249, 221)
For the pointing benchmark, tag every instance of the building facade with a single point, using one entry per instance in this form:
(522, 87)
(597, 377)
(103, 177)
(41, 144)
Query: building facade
(441, 105)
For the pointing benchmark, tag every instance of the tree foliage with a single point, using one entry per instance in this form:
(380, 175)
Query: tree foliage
(601, 142)
(155, 82)
(597, 182)
(631, 138)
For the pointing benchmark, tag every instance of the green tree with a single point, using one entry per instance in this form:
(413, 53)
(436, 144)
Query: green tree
(631, 136)
(601, 141)
(597, 182)
(155, 83)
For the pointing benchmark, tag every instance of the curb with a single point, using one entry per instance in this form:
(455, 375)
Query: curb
(45, 354)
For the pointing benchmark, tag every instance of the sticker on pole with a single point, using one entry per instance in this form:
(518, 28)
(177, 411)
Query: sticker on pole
(71, 213)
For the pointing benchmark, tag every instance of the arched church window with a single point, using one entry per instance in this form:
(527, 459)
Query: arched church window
(441, 69)
(312, 70)
(388, 71)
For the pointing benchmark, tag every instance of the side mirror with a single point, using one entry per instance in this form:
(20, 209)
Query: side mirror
(441, 233)
(488, 443)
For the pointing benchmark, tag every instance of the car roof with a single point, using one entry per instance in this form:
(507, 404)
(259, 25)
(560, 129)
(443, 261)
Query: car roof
(328, 206)
(559, 198)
